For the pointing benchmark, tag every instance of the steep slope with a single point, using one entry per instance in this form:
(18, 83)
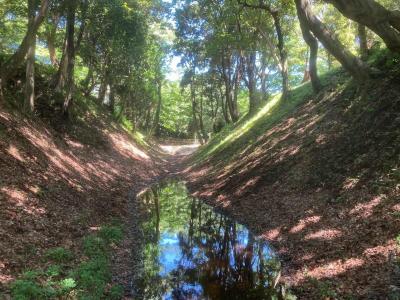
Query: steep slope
(318, 176)
(57, 185)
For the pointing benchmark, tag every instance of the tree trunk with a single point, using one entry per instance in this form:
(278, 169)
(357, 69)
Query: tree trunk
(224, 106)
(306, 75)
(29, 103)
(362, 36)
(202, 129)
(282, 53)
(264, 78)
(9, 68)
(156, 124)
(313, 45)
(61, 75)
(229, 87)
(88, 82)
(112, 99)
(254, 100)
(383, 22)
(102, 90)
(70, 55)
(357, 68)
(194, 114)
(51, 38)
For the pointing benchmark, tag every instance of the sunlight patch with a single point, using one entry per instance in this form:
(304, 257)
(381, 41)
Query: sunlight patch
(128, 148)
(365, 210)
(325, 235)
(304, 223)
(336, 268)
(238, 132)
(14, 152)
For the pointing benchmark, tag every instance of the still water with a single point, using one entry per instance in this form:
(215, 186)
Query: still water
(187, 250)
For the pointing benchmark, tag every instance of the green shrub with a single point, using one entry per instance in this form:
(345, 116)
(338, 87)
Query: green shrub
(88, 280)
(59, 255)
(26, 289)
(116, 292)
(111, 234)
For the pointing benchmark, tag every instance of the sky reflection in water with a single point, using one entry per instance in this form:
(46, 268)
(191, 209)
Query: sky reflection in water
(189, 251)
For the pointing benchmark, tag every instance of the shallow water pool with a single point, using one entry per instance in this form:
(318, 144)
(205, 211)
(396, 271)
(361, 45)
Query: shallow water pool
(187, 250)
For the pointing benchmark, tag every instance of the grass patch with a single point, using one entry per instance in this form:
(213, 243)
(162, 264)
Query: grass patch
(88, 280)
(59, 255)
(236, 136)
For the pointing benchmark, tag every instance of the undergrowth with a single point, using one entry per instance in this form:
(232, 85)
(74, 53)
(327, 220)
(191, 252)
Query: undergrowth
(90, 279)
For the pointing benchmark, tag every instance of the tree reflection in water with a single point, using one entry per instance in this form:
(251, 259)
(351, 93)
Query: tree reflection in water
(189, 251)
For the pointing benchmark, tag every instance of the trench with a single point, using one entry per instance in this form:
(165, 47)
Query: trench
(185, 249)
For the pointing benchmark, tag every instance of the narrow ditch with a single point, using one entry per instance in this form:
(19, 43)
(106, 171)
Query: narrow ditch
(185, 249)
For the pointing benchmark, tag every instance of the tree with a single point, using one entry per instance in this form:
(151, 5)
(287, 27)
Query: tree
(11, 65)
(312, 43)
(70, 55)
(351, 63)
(29, 104)
(383, 22)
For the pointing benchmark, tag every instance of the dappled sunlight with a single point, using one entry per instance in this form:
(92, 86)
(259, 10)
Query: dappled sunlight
(350, 183)
(4, 278)
(272, 234)
(247, 125)
(14, 152)
(247, 185)
(324, 234)
(365, 210)
(383, 251)
(333, 268)
(127, 148)
(303, 223)
(179, 149)
(223, 201)
(21, 199)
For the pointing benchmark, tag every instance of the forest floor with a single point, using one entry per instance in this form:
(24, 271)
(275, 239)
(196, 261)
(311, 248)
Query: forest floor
(318, 176)
(59, 185)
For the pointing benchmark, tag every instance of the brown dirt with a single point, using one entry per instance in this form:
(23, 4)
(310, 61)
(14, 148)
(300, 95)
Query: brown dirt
(57, 185)
(323, 186)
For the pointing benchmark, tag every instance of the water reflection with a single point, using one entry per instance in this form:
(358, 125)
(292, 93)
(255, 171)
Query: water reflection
(189, 251)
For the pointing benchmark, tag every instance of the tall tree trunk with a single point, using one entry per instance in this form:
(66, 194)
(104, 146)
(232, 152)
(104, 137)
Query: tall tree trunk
(282, 53)
(102, 90)
(194, 113)
(61, 75)
(29, 103)
(229, 87)
(202, 129)
(9, 68)
(254, 100)
(51, 38)
(362, 36)
(357, 68)
(283, 62)
(264, 78)
(156, 124)
(312, 43)
(306, 75)
(224, 106)
(88, 82)
(112, 98)
(69, 87)
(383, 22)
